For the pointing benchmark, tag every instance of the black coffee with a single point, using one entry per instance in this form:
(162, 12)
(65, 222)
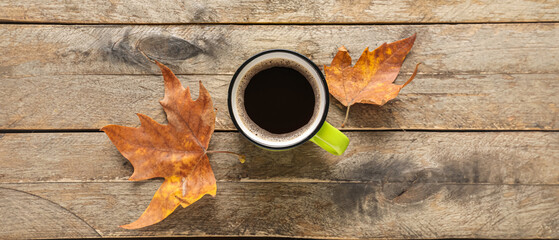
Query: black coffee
(279, 100)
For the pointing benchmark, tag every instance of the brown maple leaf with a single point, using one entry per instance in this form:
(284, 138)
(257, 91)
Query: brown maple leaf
(176, 152)
(371, 79)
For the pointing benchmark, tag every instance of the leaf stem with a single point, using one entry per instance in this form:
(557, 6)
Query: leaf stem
(412, 76)
(241, 157)
(146, 56)
(346, 115)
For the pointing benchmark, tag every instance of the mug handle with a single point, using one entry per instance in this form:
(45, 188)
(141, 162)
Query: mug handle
(331, 139)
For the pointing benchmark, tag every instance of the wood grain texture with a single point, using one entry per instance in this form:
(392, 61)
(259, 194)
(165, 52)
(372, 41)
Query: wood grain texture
(396, 157)
(479, 102)
(502, 74)
(291, 11)
(319, 210)
(39, 50)
(26, 215)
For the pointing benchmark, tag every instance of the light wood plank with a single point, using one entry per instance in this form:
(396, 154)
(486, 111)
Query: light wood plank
(291, 11)
(320, 210)
(503, 101)
(395, 157)
(39, 50)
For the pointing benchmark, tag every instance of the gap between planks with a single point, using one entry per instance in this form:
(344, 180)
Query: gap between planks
(20, 131)
(400, 75)
(4, 21)
(293, 181)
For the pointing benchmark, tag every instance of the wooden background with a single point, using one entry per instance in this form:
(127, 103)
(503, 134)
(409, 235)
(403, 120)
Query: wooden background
(470, 149)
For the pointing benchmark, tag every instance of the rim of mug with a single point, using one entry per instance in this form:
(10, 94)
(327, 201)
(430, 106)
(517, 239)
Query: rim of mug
(321, 79)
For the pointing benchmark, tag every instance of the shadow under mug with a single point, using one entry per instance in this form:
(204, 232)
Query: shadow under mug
(316, 130)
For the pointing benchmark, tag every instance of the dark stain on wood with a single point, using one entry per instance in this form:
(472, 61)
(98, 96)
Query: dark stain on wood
(378, 170)
(213, 45)
(168, 48)
(125, 50)
(204, 13)
(403, 181)
(77, 54)
(409, 193)
(468, 193)
(356, 199)
(163, 47)
(471, 170)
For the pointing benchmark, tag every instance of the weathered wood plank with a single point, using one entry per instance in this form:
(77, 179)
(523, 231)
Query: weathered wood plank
(320, 210)
(306, 11)
(38, 50)
(25, 216)
(522, 101)
(395, 157)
